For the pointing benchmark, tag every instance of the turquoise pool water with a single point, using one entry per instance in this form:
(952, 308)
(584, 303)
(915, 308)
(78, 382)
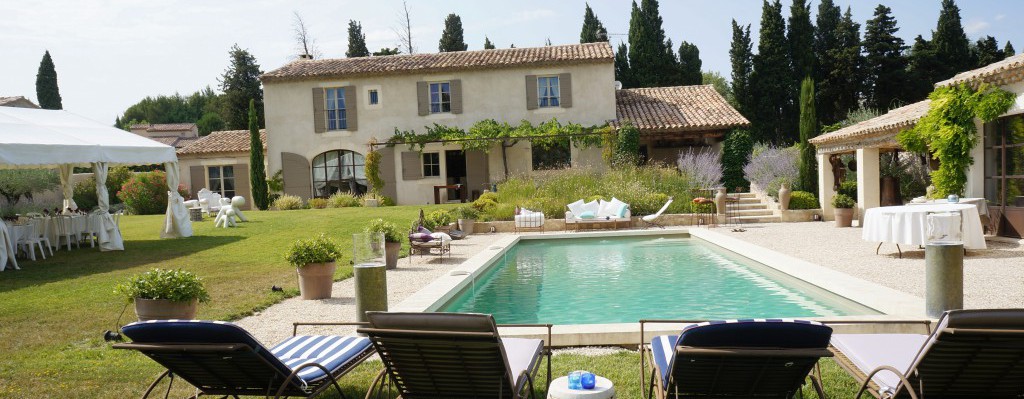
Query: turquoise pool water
(623, 280)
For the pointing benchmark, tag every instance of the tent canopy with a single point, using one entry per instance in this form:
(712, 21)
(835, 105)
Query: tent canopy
(41, 138)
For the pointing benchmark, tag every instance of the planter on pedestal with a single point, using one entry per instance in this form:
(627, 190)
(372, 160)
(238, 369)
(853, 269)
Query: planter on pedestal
(784, 195)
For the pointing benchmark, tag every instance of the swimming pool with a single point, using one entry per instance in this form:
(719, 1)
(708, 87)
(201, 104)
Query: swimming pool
(625, 279)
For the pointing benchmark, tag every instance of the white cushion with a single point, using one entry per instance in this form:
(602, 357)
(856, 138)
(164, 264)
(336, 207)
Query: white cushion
(604, 209)
(592, 206)
(616, 207)
(576, 208)
(442, 236)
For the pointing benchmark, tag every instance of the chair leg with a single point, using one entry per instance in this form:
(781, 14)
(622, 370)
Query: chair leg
(42, 251)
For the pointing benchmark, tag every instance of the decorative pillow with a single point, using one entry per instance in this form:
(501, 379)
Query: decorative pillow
(587, 215)
(604, 209)
(441, 236)
(592, 206)
(420, 237)
(423, 230)
(576, 208)
(618, 208)
(623, 210)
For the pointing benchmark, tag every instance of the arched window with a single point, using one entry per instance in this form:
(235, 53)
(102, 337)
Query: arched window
(339, 171)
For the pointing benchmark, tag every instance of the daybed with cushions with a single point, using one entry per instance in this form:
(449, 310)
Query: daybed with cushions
(598, 212)
(527, 219)
(422, 241)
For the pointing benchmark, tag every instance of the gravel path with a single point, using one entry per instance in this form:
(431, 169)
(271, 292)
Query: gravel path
(993, 278)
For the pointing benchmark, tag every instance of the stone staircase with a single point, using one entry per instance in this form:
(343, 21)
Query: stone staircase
(751, 209)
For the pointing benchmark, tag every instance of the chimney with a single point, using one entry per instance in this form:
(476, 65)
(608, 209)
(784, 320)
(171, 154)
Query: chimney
(305, 56)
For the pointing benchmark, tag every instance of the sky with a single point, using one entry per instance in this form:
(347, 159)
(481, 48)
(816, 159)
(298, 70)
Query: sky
(111, 54)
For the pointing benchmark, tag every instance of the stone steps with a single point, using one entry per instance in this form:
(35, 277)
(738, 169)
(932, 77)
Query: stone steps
(758, 219)
(754, 212)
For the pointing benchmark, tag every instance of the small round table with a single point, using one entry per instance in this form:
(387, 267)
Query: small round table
(559, 389)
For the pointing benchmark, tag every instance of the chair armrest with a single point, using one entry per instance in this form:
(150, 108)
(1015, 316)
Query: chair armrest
(295, 325)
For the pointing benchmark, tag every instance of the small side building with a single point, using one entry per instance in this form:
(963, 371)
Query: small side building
(177, 135)
(18, 102)
(219, 162)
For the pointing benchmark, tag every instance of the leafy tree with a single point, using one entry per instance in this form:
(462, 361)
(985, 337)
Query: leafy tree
(987, 51)
(257, 172)
(737, 147)
(885, 64)
(651, 60)
(210, 122)
(689, 64)
(773, 117)
(808, 130)
(1009, 51)
(718, 81)
(741, 56)
(451, 38)
(593, 30)
(356, 41)
(923, 69)
(387, 51)
(827, 45)
(848, 75)
(487, 44)
(800, 35)
(627, 149)
(47, 91)
(240, 84)
(18, 183)
(951, 45)
(622, 71)
(175, 109)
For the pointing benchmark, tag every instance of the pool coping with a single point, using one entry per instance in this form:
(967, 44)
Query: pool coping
(894, 304)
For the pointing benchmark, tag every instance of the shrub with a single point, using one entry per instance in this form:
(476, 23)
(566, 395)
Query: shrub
(735, 150)
(769, 164)
(116, 178)
(85, 194)
(386, 201)
(391, 233)
(146, 193)
(314, 250)
(172, 285)
(17, 183)
(843, 201)
(318, 203)
(288, 202)
(344, 200)
(627, 149)
(437, 218)
(703, 167)
(803, 200)
(848, 188)
(465, 212)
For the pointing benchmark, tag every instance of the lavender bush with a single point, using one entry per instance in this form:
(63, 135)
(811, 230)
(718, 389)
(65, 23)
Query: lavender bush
(702, 167)
(770, 166)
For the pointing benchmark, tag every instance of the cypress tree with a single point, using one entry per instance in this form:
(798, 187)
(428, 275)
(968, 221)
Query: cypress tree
(356, 41)
(387, 51)
(774, 119)
(1009, 51)
(741, 57)
(735, 149)
(622, 72)
(808, 130)
(826, 47)
(650, 57)
(689, 64)
(951, 45)
(451, 38)
(487, 44)
(47, 91)
(848, 75)
(593, 30)
(923, 69)
(240, 84)
(257, 173)
(800, 34)
(987, 51)
(885, 64)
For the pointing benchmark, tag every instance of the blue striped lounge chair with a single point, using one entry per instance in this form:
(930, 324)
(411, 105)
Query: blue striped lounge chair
(973, 353)
(221, 358)
(736, 359)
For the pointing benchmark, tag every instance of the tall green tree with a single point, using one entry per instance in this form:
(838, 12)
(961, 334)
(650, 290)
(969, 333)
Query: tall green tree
(622, 71)
(987, 51)
(952, 48)
(800, 35)
(689, 64)
(826, 45)
(257, 172)
(387, 51)
(774, 117)
(1009, 51)
(848, 74)
(885, 64)
(452, 36)
(356, 41)
(741, 57)
(808, 130)
(487, 44)
(923, 69)
(735, 150)
(240, 84)
(651, 59)
(47, 91)
(718, 81)
(593, 30)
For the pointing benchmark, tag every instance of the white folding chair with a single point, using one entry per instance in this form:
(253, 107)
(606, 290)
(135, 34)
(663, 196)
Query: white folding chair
(34, 239)
(66, 231)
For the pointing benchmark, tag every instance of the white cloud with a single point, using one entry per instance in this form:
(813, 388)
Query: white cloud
(975, 26)
(1000, 17)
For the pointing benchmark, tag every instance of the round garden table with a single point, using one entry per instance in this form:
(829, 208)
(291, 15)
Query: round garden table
(559, 389)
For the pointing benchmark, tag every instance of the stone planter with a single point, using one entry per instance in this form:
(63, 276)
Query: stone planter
(467, 225)
(784, 195)
(371, 203)
(391, 250)
(844, 217)
(316, 280)
(163, 309)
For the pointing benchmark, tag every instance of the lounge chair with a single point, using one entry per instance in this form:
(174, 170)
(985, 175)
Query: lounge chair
(422, 241)
(651, 219)
(529, 220)
(735, 359)
(220, 358)
(598, 212)
(971, 354)
(453, 355)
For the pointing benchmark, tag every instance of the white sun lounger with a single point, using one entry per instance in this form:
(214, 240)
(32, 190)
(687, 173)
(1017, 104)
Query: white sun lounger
(650, 219)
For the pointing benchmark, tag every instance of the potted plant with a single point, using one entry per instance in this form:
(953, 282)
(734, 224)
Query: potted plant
(370, 200)
(843, 205)
(314, 261)
(466, 216)
(439, 220)
(162, 294)
(392, 240)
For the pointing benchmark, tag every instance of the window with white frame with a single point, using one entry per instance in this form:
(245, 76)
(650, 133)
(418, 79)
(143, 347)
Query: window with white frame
(440, 97)
(547, 91)
(374, 96)
(336, 116)
(431, 164)
(222, 180)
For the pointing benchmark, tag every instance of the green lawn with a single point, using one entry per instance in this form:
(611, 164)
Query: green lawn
(53, 312)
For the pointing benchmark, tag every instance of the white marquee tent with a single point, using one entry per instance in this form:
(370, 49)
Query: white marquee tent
(40, 138)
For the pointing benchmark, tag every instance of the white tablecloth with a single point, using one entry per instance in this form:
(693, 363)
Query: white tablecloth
(981, 203)
(8, 248)
(908, 224)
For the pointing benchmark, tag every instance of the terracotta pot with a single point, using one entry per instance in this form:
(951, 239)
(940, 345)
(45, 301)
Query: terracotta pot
(784, 195)
(163, 309)
(844, 217)
(391, 250)
(316, 280)
(466, 225)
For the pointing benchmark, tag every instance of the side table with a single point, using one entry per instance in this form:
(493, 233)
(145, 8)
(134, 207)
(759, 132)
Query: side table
(559, 389)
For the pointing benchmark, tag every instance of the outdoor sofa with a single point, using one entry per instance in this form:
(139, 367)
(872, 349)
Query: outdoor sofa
(598, 213)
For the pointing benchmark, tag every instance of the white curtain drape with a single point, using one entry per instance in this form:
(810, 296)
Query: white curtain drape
(108, 233)
(67, 188)
(176, 223)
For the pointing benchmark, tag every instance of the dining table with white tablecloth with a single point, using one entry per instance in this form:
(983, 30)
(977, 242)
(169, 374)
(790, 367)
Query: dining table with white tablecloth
(908, 224)
(8, 247)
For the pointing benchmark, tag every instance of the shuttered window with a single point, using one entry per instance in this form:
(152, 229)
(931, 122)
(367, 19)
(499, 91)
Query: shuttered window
(431, 164)
(547, 91)
(222, 180)
(336, 110)
(440, 97)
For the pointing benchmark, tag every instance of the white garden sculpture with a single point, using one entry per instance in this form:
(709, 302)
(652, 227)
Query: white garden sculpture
(229, 212)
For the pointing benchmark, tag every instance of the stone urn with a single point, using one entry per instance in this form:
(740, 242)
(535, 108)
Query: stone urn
(784, 195)
(316, 280)
(844, 217)
(164, 309)
(391, 250)
(720, 200)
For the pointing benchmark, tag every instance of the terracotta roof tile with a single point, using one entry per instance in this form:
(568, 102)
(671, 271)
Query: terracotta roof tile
(164, 127)
(224, 141)
(888, 124)
(12, 100)
(1010, 70)
(176, 142)
(676, 109)
(451, 61)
